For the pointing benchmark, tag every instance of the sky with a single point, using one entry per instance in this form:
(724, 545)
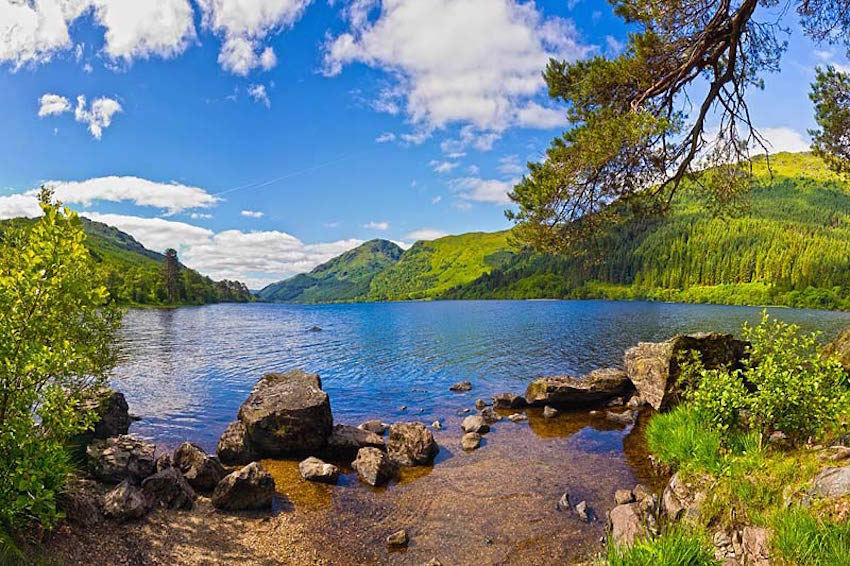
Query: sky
(260, 138)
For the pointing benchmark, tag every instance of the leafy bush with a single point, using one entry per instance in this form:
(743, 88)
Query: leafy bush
(673, 548)
(786, 385)
(803, 539)
(56, 344)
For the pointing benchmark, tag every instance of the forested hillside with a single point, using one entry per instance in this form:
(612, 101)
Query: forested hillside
(790, 247)
(344, 278)
(134, 274)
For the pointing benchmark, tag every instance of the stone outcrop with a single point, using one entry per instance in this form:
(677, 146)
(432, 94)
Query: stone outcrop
(203, 472)
(125, 502)
(840, 348)
(234, 446)
(635, 520)
(345, 441)
(654, 368)
(831, 482)
(592, 390)
(168, 489)
(252, 487)
(313, 469)
(508, 401)
(122, 458)
(680, 500)
(411, 444)
(372, 466)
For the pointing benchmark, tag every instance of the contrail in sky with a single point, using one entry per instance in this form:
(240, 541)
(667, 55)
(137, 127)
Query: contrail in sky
(263, 184)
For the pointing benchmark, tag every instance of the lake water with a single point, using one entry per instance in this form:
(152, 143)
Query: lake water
(186, 371)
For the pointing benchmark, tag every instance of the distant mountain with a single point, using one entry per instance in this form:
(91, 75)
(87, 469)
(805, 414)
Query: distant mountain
(344, 278)
(133, 272)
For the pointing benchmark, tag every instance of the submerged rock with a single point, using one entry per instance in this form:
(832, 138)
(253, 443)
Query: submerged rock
(313, 469)
(125, 502)
(625, 418)
(564, 502)
(234, 446)
(475, 423)
(398, 539)
(508, 401)
(168, 489)
(654, 368)
(626, 525)
(345, 441)
(480, 404)
(372, 466)
(549, 412)
(583, 511)
(470, 441)
(594, 389)
(411, 444)
(461, 386)
(517, 418)
(436, 425)
(123, 458)
(252, 487)
(489, 416)
(287, 413)
(203, 472)
(375, 426)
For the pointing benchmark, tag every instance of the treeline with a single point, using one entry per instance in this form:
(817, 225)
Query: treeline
(146, 286)
(790, 247)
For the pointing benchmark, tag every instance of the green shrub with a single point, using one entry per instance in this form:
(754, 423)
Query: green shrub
(803, 539)
(56, 344)
(786, 385)
(673, 548)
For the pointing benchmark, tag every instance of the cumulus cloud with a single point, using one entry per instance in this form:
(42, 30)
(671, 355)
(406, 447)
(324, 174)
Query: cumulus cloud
(785, 139)
(15, 206)
(383, 226)
(443, 166)
(426, 234)
(98, 116)
(385, 137)
(458, 61)
(244, 26)
(509, 165)
(482, 190)
(253, 214)
(259, 94)
(256, 258)
(33, 32)
(171, 197)
(52, 105)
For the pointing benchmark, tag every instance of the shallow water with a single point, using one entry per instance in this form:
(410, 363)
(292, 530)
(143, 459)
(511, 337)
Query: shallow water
(186, 371)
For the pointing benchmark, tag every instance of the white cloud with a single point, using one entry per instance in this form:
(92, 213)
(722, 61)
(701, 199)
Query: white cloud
(244, 25)
(533, 115)
(468, 136)
(258, 93)
(482, 190)
(253, 213)
(256, 258)
(436, 199)
(33, 32)
(14, 206)
(443, 166)
(99, 116)
(383, 226)
(385, 137)
(52, 104)
(476, 62)
(172, 197)
(785, 139)
(200, 216)
(509, 165)
(426, 234)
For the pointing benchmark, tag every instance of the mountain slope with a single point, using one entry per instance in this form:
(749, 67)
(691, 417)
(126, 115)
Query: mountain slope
(344, 278)
(791, 247)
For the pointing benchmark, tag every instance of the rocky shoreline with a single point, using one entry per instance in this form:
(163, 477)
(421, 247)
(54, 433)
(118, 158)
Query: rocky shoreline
(287, 415)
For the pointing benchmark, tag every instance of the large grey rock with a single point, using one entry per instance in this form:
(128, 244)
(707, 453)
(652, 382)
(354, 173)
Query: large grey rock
(593, 390)
(832, 482)
(840, 348)
(626, 524)
(654, 368)
(252, 487)
(475, 423)
(345, 441)
(234, 446)
(313, 469)
(372, 466)
(287, 413)
(125, 502)
(113, 416)
(82, 501)
(123, 458)
(168, 489)
(203, 472)
(411, 444)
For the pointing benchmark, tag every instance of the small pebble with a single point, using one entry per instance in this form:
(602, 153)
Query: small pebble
(436, 425)
(517, 418)
(564, 502)
(398, 539)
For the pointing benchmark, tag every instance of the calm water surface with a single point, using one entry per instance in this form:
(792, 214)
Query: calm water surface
(186, 371)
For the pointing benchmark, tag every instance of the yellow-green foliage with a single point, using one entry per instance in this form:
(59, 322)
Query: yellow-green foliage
(675, 547)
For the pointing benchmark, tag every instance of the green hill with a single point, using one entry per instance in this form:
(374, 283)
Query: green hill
(134, 273)
(344, 278)
(790, 247)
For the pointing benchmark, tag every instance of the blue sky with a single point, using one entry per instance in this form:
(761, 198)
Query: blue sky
(261, 137)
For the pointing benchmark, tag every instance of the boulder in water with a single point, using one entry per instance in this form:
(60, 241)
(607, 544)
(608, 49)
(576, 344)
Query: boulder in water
(508, 401)
(345, 441)
(252, 487)
(372, 466)
(475, 423)
(592, 390)
(313, 469)
(411, 444)
(234, 446)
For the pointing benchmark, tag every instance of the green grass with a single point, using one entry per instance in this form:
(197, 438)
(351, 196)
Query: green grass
(801, 538)
(676, 547)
